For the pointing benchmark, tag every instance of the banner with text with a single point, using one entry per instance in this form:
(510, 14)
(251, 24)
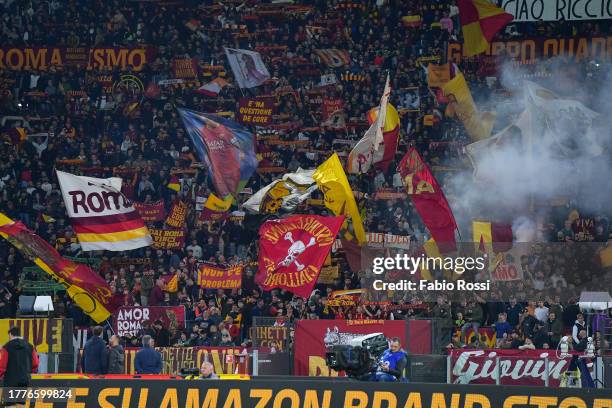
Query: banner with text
(529, 51)
(167, 238)
(558, 10)
(42, 58)
(255, 111)
(220, 277)
(277, 392)
(128, 320)
(151, 212)
(46, 335)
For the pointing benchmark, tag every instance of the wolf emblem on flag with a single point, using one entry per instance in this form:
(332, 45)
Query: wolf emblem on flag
(292, 251)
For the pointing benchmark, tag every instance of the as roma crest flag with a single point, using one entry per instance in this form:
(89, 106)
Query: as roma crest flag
(292, 251)
(429, 200)
(85, 287)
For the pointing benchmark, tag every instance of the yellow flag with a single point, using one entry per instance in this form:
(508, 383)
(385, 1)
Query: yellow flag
(606, 256)
(214, 203)
(477, 124)
(483, 236)
(332, 181)
(433, 252)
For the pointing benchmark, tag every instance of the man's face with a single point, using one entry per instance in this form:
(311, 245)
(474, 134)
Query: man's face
(206, 369)
(395, 346)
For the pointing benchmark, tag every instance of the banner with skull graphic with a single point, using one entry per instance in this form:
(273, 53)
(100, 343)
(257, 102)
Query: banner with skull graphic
(292, 251)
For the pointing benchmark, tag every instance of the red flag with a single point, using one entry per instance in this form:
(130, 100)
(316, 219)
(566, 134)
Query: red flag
(429, 200)
(390, 145)
(292, 251)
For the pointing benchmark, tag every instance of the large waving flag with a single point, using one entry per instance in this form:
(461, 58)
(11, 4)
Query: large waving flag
(292, 251)
(391, 129)
(363, 154)
(85, 287)
(339, 198)
(285, 193)
(477, 124)
(480, 21)
(247, 66)
(101, 216)
(227, 149)
(429, 200)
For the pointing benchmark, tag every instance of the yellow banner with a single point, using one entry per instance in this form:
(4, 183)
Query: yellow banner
(44, 334)
(214, 203)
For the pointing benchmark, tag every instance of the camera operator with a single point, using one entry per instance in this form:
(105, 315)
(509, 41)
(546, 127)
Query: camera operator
(391, 364)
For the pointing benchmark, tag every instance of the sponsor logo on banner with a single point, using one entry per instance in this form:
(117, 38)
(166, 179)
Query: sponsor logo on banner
(529, 51)
(42, 58)
(177, 215)
(128, 320)
(517, 367)
(168, 238)
(557, 10)
(217, 277)
(151, 212)
(272, 393)
(44, 334)
(257, 111)
(313, 336)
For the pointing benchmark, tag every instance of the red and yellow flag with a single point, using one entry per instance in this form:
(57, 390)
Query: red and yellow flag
(292, 251)
(171, 283)
(429, 200)
(85, 287)
(101, 216)
(480, 21)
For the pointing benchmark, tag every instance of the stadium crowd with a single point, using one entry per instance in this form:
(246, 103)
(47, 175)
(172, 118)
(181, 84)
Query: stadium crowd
(74, 124)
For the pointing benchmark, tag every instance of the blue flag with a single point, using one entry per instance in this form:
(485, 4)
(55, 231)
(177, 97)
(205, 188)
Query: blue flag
(227, 149)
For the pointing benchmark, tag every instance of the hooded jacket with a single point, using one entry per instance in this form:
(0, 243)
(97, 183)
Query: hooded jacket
(18, 360)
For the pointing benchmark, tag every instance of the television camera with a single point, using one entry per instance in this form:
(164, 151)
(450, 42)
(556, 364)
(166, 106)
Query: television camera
(359, 357)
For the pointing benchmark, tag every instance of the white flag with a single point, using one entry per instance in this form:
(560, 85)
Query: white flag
(247, 66)
(285, 193)
(101, 216)
(366, 152)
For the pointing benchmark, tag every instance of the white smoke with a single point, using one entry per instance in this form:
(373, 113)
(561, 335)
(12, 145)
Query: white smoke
(521, 180)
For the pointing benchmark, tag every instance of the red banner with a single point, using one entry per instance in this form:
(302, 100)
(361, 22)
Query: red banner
(292, 251)
(257, 111)
(211, 215)
(312, 336)
(429, 200)
(128, 320)
(167, 238)
(517, 367)
(151, 212)
(329, 107)
(177, 215)
(186, 68)
(42, 58)
(219, 277)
